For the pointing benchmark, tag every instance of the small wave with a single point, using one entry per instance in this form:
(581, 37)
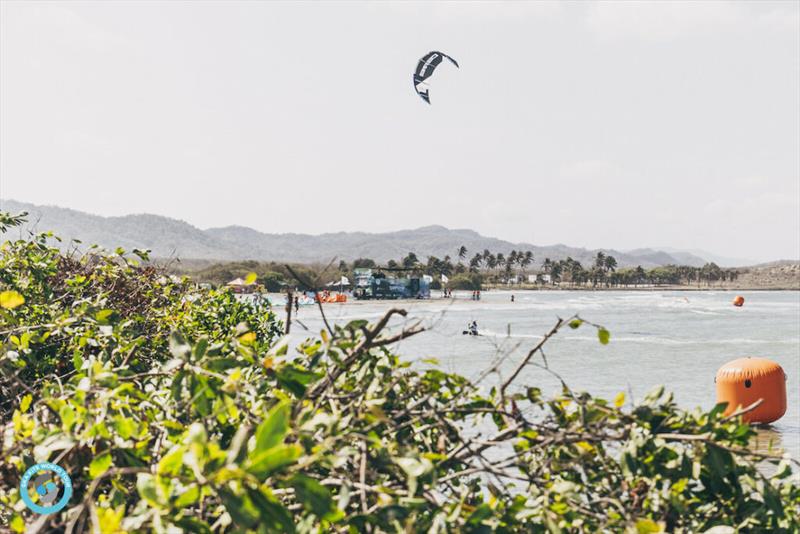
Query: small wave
(669, 341)
(490, 333)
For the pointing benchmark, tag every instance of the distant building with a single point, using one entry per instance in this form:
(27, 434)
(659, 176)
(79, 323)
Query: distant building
(238, 285)
(371, 284)
(539, 278)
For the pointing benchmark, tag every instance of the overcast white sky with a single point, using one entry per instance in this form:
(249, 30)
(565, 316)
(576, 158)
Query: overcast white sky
(603, 125)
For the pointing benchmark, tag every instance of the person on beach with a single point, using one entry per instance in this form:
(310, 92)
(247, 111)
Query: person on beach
(512, 298)
(296, 304)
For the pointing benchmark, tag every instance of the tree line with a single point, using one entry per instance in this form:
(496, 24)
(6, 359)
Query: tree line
(488, 267)
(473, 271)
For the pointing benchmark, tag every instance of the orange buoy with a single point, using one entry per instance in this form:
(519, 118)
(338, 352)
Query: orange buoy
(742, 382)
(738, 301)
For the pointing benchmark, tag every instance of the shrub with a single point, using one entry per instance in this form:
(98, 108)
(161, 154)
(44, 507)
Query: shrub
(179, 409)
(470, 281)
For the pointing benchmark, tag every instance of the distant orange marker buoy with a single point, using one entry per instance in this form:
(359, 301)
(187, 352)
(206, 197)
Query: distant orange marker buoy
(738, 301)
(742, 382)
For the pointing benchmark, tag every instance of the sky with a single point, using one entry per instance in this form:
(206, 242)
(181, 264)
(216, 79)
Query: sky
(614, 125)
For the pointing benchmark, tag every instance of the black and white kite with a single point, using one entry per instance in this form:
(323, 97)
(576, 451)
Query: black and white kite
(425, 69)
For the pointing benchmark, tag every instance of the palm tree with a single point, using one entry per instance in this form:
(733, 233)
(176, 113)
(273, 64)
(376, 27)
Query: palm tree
(511, 261)
(547, 266)
(508, 270)
(434, 266)
(610, 264)
(525, 260)
(462, 252)
(600, 260)
(491, 261)
(641, 276)
(410, 261)
(447, 266)
(555, 272)
(598, 272)
(475, 262)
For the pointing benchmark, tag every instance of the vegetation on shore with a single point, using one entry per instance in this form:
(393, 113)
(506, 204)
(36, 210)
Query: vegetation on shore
(488, 269)
(180, 409)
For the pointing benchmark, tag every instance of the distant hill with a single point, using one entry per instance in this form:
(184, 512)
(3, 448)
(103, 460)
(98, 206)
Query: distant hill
(170, 238)
(722, 261)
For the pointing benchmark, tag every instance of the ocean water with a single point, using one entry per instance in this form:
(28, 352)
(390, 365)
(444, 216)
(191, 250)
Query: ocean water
(673, 338)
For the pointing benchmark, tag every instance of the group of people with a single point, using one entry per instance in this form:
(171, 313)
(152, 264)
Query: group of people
(447, 293)
(476, 295)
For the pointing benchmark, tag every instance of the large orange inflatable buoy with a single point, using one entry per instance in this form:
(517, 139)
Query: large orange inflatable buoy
(738, 301)
(742, 382)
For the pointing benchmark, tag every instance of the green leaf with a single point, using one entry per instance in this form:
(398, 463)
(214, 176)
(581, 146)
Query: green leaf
(178, 346)
(17, 524)
(100, 465)
(172, 462)
(242, 511)
(274, 428)
(534, 394)
(67, 415)
(177, 384)
(315, 497)
(603, 335)
(575, 323)
(200, 348)
(356, 324)
(125, 426)
(146, 486)
(188, 497)
(481, 512)
(106, 316)
(619, 400)
(11, 299)
(265, 463)
(25, 403)
(646, 526)
(718, 409)
(195, 526)
(273, 514)
(295, 379)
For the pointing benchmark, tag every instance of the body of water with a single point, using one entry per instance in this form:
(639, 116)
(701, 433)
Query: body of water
(673, 338)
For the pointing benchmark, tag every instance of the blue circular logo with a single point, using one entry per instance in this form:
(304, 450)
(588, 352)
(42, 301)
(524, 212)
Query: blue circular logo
(47, 482)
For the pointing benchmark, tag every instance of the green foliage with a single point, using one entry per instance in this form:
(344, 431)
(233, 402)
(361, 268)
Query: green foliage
(177, 409)
(273, 276)
(466, 281)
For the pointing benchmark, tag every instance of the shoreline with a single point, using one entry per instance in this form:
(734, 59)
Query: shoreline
(650, 288)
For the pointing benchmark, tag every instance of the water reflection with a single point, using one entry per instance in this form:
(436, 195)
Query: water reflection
(767, 440)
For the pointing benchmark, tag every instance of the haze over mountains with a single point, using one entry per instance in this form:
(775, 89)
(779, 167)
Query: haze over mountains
(169, 238)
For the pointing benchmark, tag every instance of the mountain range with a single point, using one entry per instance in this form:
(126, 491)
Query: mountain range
(171, 238)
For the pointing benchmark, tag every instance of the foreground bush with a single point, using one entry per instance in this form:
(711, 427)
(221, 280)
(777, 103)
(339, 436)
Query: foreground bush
(179, 409)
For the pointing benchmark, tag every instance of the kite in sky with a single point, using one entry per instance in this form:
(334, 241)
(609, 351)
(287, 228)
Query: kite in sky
(427, 64)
